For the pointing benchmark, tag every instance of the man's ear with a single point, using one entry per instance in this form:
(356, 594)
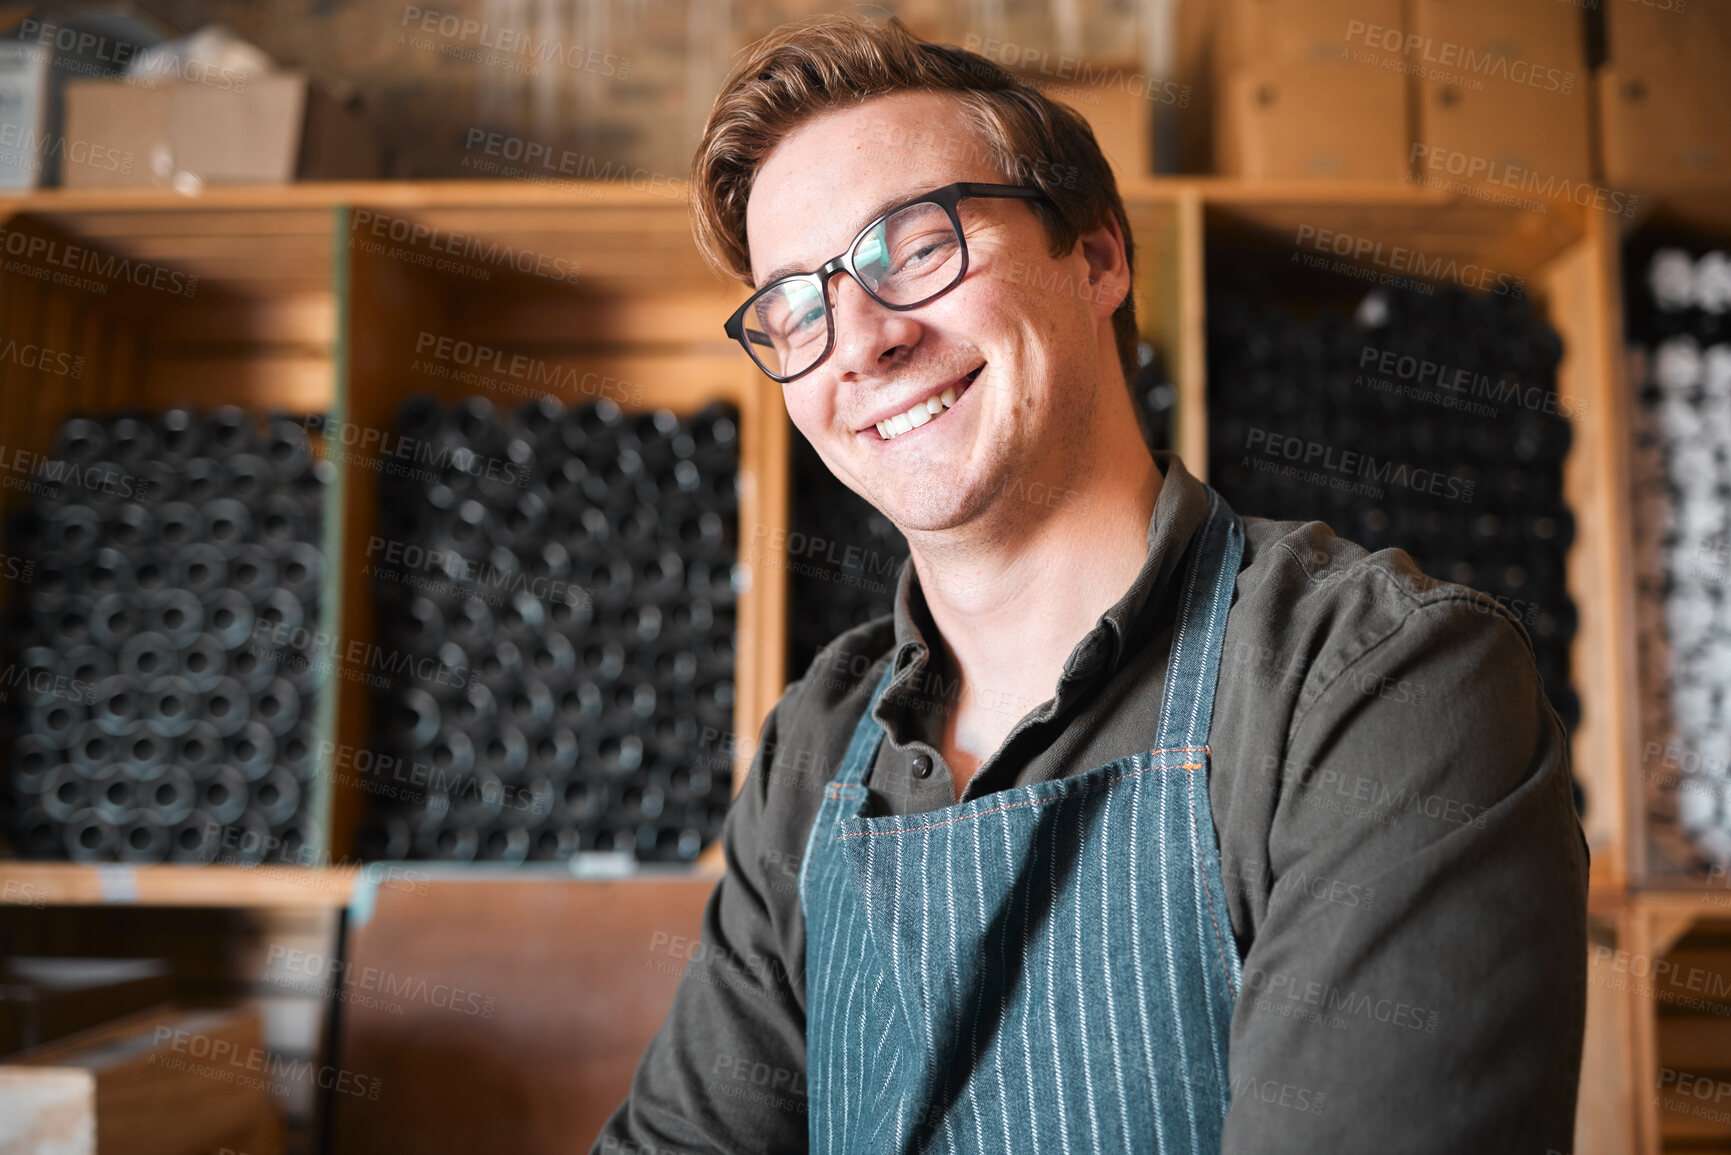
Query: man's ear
(1108, 272)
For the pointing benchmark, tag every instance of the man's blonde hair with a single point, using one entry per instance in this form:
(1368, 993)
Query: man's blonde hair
(830, 61)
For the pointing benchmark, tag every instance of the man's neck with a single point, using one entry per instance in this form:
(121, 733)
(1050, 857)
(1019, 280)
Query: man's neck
(1010, 607)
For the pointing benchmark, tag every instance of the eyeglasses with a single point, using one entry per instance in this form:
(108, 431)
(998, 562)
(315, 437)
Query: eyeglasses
(908, 257)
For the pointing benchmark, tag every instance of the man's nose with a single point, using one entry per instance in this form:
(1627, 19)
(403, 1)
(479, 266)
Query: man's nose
(865, 330)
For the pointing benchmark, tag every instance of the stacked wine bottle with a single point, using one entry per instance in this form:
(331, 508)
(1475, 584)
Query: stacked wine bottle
(563, 585)
(1679, 322)
(151, 723)
(844, 557)
(1430, 422)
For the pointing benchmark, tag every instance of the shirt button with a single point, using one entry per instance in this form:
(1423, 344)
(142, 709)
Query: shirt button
(922, 767)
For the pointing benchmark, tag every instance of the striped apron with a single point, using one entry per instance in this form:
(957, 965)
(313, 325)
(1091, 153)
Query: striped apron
(1043, 969)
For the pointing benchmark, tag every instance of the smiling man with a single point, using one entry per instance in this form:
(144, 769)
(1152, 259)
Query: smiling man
(1137, 826)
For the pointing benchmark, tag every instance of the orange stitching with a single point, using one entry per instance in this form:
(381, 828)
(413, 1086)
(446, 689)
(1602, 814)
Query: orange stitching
(1013, 805)
(1201, 868)
(834, 790)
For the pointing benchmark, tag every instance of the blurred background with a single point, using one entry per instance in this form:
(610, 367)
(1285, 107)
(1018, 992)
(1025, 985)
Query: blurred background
(397, 562)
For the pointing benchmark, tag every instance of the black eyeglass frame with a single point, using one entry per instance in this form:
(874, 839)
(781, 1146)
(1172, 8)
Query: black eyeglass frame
(946, 198)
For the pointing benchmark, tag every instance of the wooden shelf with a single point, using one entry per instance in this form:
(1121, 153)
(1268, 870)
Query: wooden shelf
(111, 884)
(588, 194)
(44, 884)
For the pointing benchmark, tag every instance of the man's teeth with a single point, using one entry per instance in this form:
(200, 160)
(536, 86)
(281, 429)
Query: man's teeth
(918, 414)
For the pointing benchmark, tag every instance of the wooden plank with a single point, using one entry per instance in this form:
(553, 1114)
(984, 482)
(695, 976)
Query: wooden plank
(1619, 671)
(182, 220)
(511, 1069)
(332, 829)
(1505, 241)
(162, 1082)
(1668, 930)
(1644, 1051)
(55, 332)
(304, 320)
(585, 195)
(1689, 1123)
(660, 316)
(13, 401)
(1605, 1103)
(93, 343)
(1192, 337)
(667, 222)
(253, 273)
(258, 260)
(554, 244)
(763, 520)
(294, 383)
(520, 195)
(328, 194)
(555, 222)
(194, 250)
(1159, 298)
(1702, 970)
(1695, 1042)
(33, 430)
(1704, 210)
(1573, 292)
(683, 382)
(78, 884)
(265, 1137)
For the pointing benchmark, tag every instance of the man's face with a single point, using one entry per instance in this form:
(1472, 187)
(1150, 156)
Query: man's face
(1030, 325)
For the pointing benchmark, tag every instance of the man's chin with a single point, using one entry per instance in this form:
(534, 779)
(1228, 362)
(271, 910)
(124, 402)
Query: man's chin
(932, 508)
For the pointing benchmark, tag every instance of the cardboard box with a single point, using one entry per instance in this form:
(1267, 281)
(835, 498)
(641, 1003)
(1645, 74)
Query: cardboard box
(1313, 120)
(1502, 96)
(1505, 41)
(1117, 101)
(1122, 120)
(1688, 36)
(1499, 128)
(269, 129)
(1263, 33)
(1665, 94)
(1662, 129)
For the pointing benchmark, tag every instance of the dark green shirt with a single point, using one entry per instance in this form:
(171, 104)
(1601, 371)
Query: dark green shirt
(1405, 870)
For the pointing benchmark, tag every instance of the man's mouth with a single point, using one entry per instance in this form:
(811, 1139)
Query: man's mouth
(923, 412)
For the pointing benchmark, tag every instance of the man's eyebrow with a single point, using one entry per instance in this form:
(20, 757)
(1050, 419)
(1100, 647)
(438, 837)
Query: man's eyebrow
(877, 210)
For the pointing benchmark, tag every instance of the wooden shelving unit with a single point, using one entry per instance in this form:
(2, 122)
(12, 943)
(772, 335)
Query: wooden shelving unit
(314, 299)
(291, 310)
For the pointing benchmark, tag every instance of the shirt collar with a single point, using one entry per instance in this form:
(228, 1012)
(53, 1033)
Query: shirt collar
(1178, 513)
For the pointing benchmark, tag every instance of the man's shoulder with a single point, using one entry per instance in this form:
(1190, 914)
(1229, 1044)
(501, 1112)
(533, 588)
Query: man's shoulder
(1305, 566)
(1306, 594)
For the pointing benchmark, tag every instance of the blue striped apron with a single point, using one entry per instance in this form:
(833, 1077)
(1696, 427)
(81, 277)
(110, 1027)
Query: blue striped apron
(1043, 969)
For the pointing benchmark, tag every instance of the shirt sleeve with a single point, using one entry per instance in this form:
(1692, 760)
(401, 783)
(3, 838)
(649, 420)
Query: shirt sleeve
(1418, 980)
(726, 1071)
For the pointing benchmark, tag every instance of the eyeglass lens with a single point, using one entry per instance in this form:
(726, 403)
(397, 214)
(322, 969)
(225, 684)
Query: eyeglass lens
(909, 257)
